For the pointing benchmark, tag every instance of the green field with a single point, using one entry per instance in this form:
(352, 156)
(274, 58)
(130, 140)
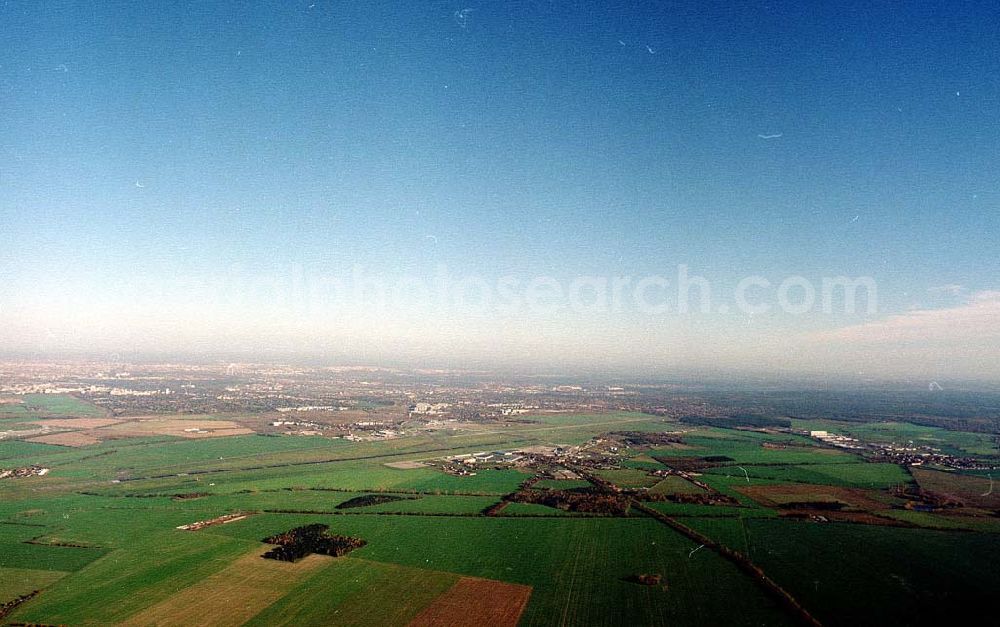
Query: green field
(15, 582)
(957, 442)
(14, 452)
(114, 507)
(576, 565)
(533, 509)
(129, 579)
(342, 590)
(902, 576)
(41, 557)
(49, 406)
(562, 484)
(674, 485)
(954, 442)
(628, 478)
(432, 504)
(861, 475)
(745, 447)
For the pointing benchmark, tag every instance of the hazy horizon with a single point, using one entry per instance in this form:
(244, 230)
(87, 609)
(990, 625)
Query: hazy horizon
(592, 373)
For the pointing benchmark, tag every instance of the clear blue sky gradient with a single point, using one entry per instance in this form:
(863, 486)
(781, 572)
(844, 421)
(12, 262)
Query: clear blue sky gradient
(151, 139)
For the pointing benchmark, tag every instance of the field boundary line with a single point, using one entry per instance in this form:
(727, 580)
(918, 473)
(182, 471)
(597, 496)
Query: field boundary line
(741, 561)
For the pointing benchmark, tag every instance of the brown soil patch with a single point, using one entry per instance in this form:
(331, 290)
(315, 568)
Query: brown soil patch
(858, 518)
(225, 519)
(689, 464)
(232, 596)
(812, 450)
(677, 446)
(473, 601)
(969, 490)
(864, 518)
(78, 423)
(778, 496)
(178, 427)
(70, 438)
(406, 465)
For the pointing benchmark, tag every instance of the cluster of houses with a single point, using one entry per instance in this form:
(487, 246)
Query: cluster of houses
(907, 454)
(835, 439)
(378, 434)
(464, 465)
(485, 457)
(511, 409)
(920, 455)
(304, 427)
(28, 471)
(220, 520)
(432, 409)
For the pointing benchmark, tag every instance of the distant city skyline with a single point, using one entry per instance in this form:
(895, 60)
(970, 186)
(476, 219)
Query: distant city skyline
(193, 179)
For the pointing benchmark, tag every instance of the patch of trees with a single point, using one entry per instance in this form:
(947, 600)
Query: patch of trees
(530, 482)
(918, 498)
(177, 496)
(371, 499)
(737, 420)
(693, 463)
(641, 438)
(10, 606)
(583, 500)
(67, 545)
(496, 508)
(299, 542)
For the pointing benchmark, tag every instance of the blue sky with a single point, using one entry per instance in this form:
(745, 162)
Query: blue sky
(172, 145)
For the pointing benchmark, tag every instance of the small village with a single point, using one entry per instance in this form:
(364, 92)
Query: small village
(27, 471)
(908, 454)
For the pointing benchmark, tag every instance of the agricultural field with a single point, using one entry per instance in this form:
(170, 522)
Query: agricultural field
(54, 406)
(104, 537)
(675, 485)
(745, 447)
(15, 582)
(68, 438)
(860, 475)
(478, 602)
(628, 478)
(233, 595)
(562, 484)
(341, 593)
(533, 509)
(967, 490)
(957, 442)
(902, 576)
(566, 560)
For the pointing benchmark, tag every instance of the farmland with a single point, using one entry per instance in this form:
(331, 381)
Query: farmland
(101, 536)
(48, 406)
(340, 592)
(903, 576)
